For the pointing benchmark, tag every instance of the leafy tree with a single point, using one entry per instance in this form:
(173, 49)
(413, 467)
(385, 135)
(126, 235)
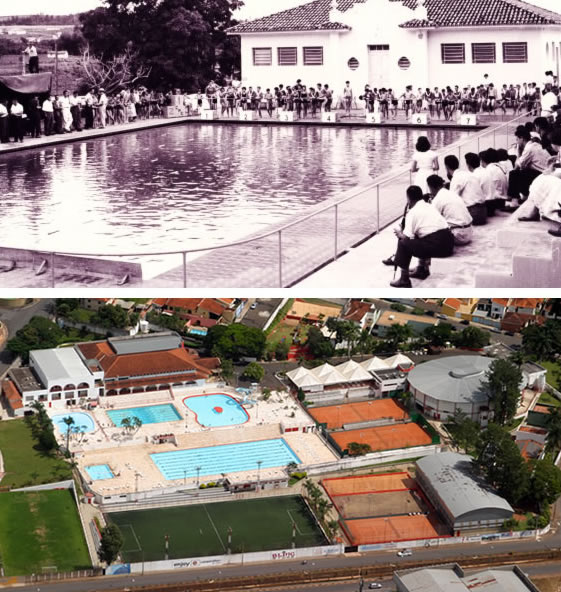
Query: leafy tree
(358, 449)
(545, 482)
(397, 306)
(553, 425)
(226, 369)
(254, 372)
(136, 423)
(438, 335)
(345, 331)
(126, 423)
(194, 31)
(554, 305)
(499, 459)
(542, 342)
(235, 341)
(39, 333)
(503, 384)
(63, 306)
(464, 431)
(111, 316)
(171, 322)
(281, 350)
(301, 395)
(111, 543)
(47, 440)
(472, 338)
(318, 345)
(396, 334)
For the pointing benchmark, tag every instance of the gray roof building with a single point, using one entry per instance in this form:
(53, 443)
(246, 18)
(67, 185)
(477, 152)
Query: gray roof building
(445, 578)
(465, 500)
(140, 344)
(60, 366)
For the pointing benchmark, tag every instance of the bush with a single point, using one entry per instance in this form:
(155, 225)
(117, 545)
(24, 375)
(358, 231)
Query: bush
(202, 486)
(397, 306)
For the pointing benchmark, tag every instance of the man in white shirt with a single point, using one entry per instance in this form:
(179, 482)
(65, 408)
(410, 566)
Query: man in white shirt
(102, 107)
(544, 200)
(31, 51)
(468, 187)
(89, 101)
(549, 100)
(76, 111)
(489, 161)
(533, 160)
(66, 113)
(4, 126)
(18, 115)
(453, 209)
(425, 235)
(48, 115)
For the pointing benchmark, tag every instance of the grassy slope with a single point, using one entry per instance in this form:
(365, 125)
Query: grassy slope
(40, 529)
(22, 463)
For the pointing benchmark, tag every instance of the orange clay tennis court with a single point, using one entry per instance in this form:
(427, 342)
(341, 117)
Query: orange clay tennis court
(392, 503)
(390, 437)
(336, 416)
(368, 483)
(393, 529)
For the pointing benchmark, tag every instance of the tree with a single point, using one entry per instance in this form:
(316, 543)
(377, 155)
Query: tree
(472, 338)
(254, 372)
(39, 333)
(542, 342)
(281, 350)
(545, 482)
(235, 342)
(553, 425)
(358, 449)
(301, 395)
(111, 316)
(69, 421)
(344, 331)
(136, 423)
(503, 384)
(318, 345)
(464, 431)
(111, 543)
(396, 334)
(499, 459)
(226, 370)
(439, 335)
(196, 43)
(126, 423)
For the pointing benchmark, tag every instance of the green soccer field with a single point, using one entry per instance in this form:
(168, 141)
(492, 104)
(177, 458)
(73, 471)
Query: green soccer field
(197, 531)
(41, 529)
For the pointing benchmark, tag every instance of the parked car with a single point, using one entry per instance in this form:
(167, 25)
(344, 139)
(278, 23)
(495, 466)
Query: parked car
(404, 553)
(374, 586)
(509, 333)
(464, 322)
(442, 316)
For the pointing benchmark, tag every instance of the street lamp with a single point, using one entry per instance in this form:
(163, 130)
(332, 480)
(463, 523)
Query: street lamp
(259, 463)
(198, 473)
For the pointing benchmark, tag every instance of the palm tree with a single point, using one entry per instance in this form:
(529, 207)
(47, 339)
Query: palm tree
(397, 334)
(69, 421)
(136, 423)
(126, 423)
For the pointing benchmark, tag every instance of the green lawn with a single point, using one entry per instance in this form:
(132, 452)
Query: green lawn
(284, 331)
(40, 529)
(553, 373)
(549, 399)
(196, 531)
(23, 464)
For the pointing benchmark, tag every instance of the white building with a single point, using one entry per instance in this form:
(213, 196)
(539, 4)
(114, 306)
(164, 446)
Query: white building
(395, 43)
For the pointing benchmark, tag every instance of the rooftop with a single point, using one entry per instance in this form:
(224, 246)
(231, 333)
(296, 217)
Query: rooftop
(26, 379)
(61, 365)
(318, 16)
(145, 343)
(453, 477)
(460, 379)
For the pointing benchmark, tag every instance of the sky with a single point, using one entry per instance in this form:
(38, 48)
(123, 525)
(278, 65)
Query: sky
(253, 8)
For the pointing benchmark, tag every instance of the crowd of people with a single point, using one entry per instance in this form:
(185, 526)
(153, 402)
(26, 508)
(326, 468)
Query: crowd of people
(442, 210)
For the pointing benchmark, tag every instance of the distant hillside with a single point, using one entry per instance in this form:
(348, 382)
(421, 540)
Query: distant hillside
(41, 19)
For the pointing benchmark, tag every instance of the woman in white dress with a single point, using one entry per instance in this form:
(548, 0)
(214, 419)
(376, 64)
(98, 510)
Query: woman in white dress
(425, 163)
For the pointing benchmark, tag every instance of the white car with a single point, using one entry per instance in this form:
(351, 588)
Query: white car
(374, 586)
(404, 553)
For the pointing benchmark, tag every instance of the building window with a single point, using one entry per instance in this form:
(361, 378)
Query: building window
(313, 56)
(262, 56)
(353, 64)
(404, 63)
(515, 53)
(483, 53)
(287, 56)
(453, 53)
(379, 47)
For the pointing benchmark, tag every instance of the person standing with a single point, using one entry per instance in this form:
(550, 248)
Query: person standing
(4, 124)
(75, 111)
(89, 100)
(35, 117)
(17, 114)
(59, 120)
(102, 108)
(48, 115)
(348, 98)
(425, 163)
(66, 113)
(31, 52)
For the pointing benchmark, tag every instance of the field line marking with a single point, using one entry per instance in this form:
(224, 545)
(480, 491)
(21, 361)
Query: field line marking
(139, 548)
(215, 529)
(300, 532)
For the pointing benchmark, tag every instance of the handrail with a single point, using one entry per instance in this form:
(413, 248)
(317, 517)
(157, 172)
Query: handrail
(272, 232)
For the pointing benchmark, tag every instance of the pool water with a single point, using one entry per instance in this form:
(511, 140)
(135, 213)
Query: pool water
(193, 185)
(227, 458)
(99, 472)
(150, 414)
(213, 411)
(83, 422)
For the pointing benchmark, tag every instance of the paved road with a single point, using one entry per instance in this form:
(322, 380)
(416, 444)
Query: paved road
(15, 319)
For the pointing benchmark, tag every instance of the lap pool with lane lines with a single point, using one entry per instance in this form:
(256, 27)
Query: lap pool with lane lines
(150, 414)
(226, 458)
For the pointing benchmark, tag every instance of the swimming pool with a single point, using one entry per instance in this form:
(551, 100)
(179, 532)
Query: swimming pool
(196, 331)
(99, 472)
(227, 458)
(216, 410)
(150, 414)
(83, 422)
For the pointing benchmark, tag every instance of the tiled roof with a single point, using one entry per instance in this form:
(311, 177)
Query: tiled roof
(13, 396)
(315, 16)
(453, 303)
(357, 311)
(526, 302)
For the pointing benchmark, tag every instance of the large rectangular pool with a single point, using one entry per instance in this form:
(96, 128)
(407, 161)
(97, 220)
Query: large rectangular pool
(149, 414)
(227, 458)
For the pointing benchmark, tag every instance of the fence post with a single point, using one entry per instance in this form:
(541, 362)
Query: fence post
(184, 254)
(52, 270)
(336, 231)
(280, 259)
(378, 208)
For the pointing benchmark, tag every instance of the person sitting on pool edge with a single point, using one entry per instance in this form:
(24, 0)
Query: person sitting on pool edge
(425, 234)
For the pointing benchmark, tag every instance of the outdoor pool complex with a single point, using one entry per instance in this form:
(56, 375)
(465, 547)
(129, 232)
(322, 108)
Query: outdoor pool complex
(83, 422)
(150, 414)
(99, 472)
(213, 411)
(228, 458)
(188, 186)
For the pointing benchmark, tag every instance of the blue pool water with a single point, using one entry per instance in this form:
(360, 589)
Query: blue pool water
(99, 472)
(216, 410)
(228, 458)
(151, 414)
(82, 421)
(195, 331)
